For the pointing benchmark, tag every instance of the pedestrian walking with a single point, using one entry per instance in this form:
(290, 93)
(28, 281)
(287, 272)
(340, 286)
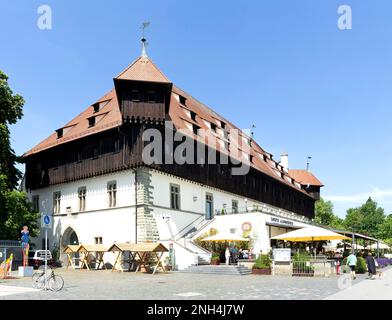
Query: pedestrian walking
(371, 266)
(352, 263)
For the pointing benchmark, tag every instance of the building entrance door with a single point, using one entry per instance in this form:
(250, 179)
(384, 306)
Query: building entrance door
(70, 238)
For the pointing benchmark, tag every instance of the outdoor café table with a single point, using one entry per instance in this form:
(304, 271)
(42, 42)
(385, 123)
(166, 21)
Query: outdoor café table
(99, 251)
(144, 255)
(118, 249)
(70, 251)
(150, 254)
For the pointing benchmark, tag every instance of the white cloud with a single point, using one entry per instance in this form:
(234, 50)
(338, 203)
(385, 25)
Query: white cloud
(376, 194)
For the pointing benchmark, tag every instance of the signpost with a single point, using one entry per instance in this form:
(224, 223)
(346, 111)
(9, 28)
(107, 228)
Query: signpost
(46, 223)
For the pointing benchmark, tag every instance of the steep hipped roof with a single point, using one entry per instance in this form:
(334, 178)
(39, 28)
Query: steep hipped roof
(305, 177)
(143, 69)
(249, 149)
(184, 117)
(108, 117)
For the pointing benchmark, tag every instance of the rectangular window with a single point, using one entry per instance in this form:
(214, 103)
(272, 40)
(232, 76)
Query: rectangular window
(95, 152)
(175, 196)
(112, 193)
(35, 201)
(98, 240)
(91, 121)
(135, 95)
(117, 146)
(82, 198)
(183, 100)
(56, 202)
(193, 116)
(195, 129)
(209, 206)
(79, 156)
(234, 206)
(59, 133)
(151, 96)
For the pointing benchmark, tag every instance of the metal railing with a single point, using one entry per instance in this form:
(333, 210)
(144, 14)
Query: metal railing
(9, 243)
(313, 268)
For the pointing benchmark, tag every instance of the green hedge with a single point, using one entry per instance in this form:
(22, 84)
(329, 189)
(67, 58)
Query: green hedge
(262, 262)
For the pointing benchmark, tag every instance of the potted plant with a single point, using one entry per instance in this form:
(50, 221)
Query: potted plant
(215, 259)
(262, 265)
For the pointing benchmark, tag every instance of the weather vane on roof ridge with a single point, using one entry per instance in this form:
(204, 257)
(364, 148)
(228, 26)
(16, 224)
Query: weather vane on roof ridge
(144, 40)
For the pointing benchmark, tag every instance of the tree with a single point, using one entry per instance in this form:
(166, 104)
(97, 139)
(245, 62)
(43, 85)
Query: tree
(366, 219)
(11, 110)
(15, 209)
(386, 229)
(325, 215)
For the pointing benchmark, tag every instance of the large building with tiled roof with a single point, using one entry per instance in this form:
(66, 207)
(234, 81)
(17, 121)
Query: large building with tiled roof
(148, 162)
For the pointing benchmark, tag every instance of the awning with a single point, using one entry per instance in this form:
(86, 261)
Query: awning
(381, 246)
(310, 233)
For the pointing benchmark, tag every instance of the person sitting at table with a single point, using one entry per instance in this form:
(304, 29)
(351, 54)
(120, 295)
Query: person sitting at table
(240, 254)
(245, 254)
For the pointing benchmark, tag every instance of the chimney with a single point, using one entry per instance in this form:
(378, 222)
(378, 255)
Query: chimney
(284, 161)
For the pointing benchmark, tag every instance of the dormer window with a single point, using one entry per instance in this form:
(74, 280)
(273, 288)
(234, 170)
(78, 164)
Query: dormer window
(96, 107)
(151, 96)
(91, 121)
(213, 127)
(193, 116)
(182, 100)
(195, 129)
(59, 133)
(223, 125)
(135, 95)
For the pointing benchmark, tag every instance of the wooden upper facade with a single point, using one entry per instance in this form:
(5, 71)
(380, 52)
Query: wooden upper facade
(107, 137)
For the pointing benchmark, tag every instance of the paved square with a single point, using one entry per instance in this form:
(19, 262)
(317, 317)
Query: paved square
(81, 284)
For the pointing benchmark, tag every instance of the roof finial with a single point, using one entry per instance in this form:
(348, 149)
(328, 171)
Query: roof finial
(144, 40)
(308, 163)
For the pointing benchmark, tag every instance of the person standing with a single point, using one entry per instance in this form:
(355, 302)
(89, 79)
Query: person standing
(371, 266)
(227, 255)
(352, 263)
(25, 238)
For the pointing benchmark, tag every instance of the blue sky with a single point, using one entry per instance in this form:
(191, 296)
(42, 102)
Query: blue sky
(310, 88)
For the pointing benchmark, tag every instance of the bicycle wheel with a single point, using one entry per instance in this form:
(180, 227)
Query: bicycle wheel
(56, 283)
(38, 280)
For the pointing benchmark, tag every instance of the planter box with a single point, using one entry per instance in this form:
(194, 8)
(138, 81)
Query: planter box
(261, 271)
(25, 271)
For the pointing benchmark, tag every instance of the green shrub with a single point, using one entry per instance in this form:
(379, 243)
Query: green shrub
(301, 256)
(262, 262)
(215, 257)
(361, 265)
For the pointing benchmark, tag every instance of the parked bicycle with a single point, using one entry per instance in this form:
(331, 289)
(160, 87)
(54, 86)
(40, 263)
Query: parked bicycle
(47, 280)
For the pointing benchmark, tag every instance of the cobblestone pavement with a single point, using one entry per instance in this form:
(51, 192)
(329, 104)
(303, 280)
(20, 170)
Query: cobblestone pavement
(81, 284)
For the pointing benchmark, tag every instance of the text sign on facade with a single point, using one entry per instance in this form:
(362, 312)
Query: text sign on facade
(282, 255)
(282, 221)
